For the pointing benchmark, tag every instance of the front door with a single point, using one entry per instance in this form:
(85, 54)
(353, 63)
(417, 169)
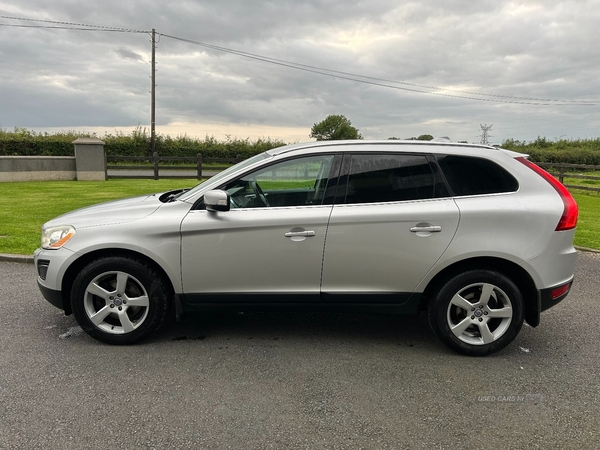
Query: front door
(269, 246)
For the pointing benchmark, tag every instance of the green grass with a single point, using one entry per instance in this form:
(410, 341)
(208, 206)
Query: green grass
(267, 185)
(580, 182)
(588, 225)
(24, 207)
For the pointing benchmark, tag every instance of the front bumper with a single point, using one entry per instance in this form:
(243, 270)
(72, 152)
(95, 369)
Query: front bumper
(49, 266)
(55, 298)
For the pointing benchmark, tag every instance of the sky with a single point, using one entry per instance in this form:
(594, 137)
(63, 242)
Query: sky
(271, 69)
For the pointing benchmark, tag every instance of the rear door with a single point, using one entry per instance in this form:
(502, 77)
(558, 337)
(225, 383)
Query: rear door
(393, 219)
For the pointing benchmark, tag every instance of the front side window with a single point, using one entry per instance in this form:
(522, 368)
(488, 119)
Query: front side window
(296, 182)
(186, 195)
(390, 178)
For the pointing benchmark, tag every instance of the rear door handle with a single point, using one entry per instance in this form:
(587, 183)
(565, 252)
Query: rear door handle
(426, 229)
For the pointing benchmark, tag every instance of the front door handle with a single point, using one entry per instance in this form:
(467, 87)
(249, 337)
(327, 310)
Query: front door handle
(426, 229)
(292, 234)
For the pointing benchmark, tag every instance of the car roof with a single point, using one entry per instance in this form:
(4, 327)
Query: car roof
(435, 146)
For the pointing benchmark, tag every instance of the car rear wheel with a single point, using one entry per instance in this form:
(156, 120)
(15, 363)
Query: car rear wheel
(477, 312)
(119, 300)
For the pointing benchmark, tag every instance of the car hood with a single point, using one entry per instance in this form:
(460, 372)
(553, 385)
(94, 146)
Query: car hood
(108, 213)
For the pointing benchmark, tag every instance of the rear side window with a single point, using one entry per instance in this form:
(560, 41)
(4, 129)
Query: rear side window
(390, 178)
(475, 176)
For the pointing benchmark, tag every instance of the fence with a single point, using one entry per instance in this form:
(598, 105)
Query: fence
(562, 171)
(167, 167)
(201, 168)
(91, 163)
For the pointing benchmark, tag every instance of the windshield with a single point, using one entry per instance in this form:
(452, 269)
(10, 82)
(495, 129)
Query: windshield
(247, 162)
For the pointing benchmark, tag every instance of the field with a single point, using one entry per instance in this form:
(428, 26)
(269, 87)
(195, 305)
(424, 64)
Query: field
(24, 207)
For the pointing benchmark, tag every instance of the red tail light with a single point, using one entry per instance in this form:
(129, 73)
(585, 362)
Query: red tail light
(568, 220)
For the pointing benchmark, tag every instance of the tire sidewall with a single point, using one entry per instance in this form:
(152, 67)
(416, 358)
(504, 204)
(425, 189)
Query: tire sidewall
(152, 283)
(438, 310)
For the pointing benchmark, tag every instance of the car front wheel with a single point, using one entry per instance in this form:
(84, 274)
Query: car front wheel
(119, 300)
(477, 312)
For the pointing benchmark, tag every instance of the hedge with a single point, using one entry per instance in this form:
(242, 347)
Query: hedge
(584, 151)
(23, 142)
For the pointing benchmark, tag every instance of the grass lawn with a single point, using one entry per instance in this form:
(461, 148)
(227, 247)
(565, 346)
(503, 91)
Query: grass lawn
(588, 225)
(24, 207)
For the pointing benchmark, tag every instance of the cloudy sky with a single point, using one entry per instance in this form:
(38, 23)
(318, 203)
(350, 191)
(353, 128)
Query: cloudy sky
(272, 68)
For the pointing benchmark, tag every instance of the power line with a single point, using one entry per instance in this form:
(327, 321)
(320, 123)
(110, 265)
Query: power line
(242, 53)
(69, 28)
(380, 81)
(98, 27)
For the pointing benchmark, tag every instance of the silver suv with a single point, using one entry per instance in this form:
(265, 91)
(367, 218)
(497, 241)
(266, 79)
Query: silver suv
(478, 236)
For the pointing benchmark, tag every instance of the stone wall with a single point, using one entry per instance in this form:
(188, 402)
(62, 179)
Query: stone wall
(37, 168)
(89, 163)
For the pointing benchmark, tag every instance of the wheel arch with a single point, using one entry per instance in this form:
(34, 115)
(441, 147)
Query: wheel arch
(516, 273)
(83, 260)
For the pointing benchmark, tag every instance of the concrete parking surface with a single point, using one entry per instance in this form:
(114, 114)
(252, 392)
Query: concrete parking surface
(288, 380)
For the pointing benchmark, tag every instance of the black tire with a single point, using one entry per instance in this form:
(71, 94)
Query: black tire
(476, 313)
(119, 300)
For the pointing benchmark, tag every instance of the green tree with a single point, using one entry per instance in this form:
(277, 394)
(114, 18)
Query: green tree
(334, 128)
(425, 137)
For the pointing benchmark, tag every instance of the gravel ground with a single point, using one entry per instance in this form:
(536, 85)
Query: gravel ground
(289, 380)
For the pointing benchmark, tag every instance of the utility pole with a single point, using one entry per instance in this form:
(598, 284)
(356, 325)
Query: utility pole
(153, 97)
(484, 133)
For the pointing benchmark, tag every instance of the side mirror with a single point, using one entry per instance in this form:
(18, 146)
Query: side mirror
(217, 200)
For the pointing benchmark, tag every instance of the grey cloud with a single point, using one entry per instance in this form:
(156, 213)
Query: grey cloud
(129, 54)
(78, 78)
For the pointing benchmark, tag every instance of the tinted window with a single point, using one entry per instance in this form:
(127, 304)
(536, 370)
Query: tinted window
(472, 176)
(390, 178)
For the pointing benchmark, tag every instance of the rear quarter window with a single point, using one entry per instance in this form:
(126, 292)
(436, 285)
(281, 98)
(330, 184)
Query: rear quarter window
(468, 175)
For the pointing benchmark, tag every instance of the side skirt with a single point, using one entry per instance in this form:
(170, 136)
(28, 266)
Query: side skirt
(397, 303)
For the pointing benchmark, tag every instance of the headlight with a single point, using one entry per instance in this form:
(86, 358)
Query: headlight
(56, 237)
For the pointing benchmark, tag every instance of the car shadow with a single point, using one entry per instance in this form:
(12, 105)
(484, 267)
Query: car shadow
(406, 331)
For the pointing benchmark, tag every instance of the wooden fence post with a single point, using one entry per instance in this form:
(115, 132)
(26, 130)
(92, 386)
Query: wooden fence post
(561, 174)
(199, 165)
(155, 160)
